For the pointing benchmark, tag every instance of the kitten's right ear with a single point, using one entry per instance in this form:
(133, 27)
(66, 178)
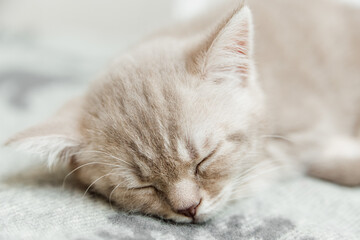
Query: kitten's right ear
(226, 51)
(56, 139)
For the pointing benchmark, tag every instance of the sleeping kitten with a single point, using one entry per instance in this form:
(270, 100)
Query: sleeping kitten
(181, 125)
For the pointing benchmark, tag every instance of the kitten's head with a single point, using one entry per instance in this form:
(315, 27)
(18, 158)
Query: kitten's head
(173, 129)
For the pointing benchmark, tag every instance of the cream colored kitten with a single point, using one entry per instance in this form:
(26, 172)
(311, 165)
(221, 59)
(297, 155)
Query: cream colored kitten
(184, 124)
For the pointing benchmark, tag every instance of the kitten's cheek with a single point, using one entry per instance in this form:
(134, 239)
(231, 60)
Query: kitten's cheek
(204, 216)
(212, 206)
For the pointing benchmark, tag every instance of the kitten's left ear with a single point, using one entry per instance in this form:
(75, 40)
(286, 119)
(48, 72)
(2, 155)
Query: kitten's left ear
(227, 53)
(55, 139)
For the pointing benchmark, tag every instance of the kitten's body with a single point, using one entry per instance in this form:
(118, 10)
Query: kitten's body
(309, 63)
(185, 113)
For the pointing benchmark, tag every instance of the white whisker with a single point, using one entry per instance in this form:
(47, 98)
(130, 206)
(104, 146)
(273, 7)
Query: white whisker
(247, 179)
(112, 192)
(251, 169)
(84, 165)
(94, 182)
(105, 153)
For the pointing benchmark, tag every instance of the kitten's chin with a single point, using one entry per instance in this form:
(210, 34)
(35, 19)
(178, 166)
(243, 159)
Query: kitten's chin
(182, 219)
(200, 219)
(179, 219)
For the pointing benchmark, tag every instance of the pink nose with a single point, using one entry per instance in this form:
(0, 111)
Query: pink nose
(190, 212)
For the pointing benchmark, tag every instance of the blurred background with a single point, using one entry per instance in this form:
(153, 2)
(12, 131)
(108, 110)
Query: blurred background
(51, 50)
(92, 29)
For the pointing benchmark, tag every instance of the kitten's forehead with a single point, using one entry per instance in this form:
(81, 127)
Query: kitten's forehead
(143, 111)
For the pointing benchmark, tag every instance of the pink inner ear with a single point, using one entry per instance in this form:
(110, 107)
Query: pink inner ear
(243, 42)
(243, 69)
(241, 47)
(231, 49)
(244, 49)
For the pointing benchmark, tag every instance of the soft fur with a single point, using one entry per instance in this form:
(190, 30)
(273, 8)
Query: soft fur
(184, 124)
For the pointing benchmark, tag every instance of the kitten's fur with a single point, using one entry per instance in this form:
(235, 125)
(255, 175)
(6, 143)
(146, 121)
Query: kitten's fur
(182, 125)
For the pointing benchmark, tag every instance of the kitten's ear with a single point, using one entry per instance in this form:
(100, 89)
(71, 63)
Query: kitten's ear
(55, 139)
(227, 53)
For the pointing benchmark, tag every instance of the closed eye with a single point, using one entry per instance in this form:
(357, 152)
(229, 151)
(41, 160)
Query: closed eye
(205, 159)
(141, 188)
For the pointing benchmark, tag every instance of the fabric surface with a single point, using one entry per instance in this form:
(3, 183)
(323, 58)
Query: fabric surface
(35, 79)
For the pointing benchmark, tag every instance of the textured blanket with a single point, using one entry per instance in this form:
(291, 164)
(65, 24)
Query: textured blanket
(35, 203)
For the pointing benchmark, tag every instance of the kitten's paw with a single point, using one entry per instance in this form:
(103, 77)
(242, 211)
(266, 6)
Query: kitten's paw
(339, 162)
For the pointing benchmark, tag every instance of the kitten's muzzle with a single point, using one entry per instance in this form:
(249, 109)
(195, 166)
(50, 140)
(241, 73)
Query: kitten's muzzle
(191, 211)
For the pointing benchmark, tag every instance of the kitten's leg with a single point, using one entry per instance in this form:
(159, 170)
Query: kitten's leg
(339, 162)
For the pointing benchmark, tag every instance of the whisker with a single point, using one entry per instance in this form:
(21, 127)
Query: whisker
(234, 198)
(84, 165)
(112, 192)
(107, 154)
(247, 160)
(116, 158)
(94, 182)
(251, 169)
(249, 178)
(213, 204)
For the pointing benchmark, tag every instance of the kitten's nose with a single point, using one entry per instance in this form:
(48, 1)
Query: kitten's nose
(191, 211)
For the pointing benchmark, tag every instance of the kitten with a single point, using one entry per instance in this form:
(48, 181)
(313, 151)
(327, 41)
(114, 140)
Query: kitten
(181, 125)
